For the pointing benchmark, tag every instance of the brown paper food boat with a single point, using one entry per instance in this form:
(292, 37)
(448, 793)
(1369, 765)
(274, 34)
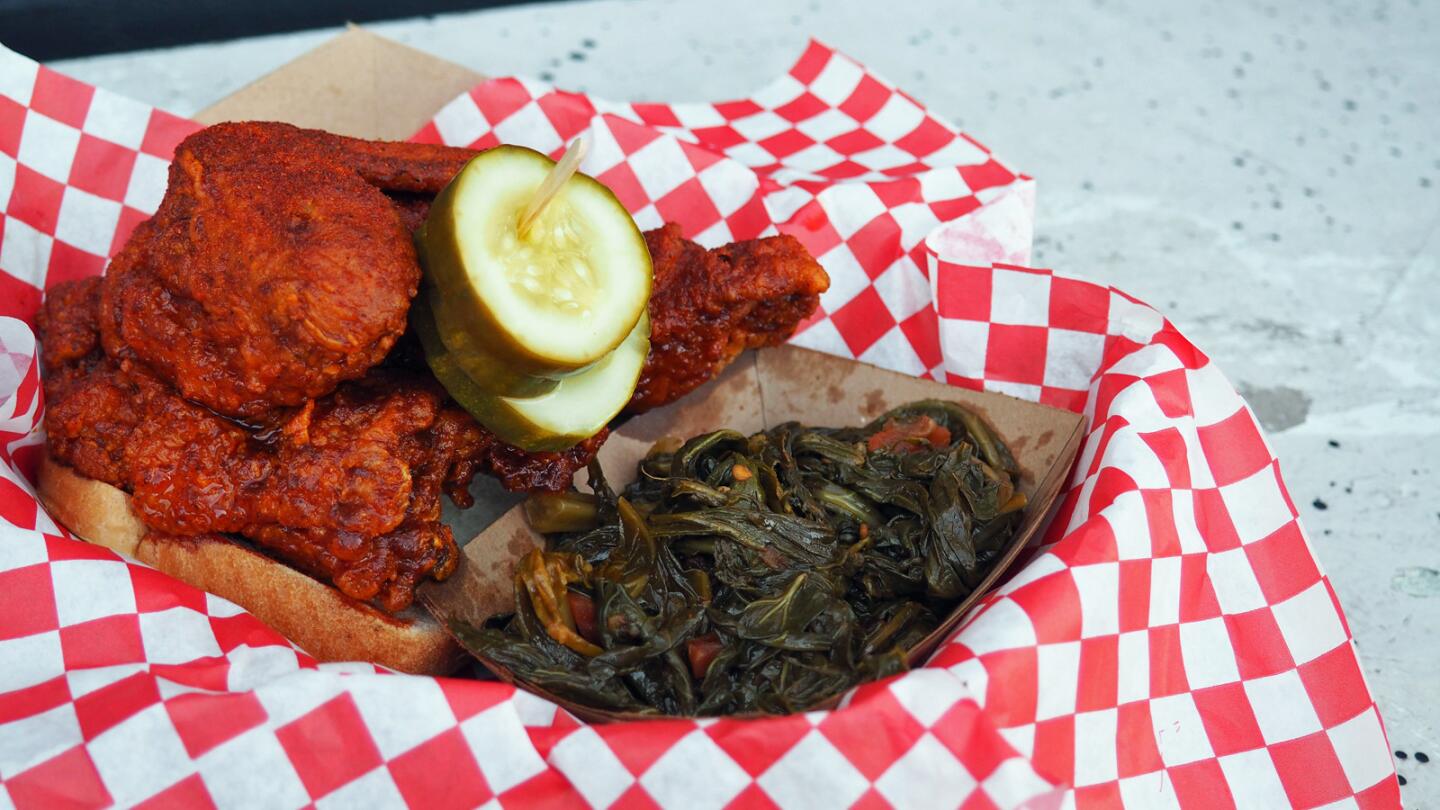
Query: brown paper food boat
(364, 85)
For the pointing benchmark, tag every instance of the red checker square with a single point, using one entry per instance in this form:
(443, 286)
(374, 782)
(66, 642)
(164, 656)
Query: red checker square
(973, 739)
(985, 175)
(155, 591)
(243, 630)
(66, 780)
(656, 115)
(550, 788)
(1167, 665)
(33, 700)
(700, 158)
(1011, 690)
(1099, 797)
(1054, 756)
(1109, 385)
(1172, 393)
(103, 642)
(1069, 399)
(895, 193)
(1134, 594)
(1016, 353)
(164, 133)
(1260, 647)
(1197, 595)
(129, 218)
(1201, 784)
(68, 263)
(35, 199)
(718, 137)
(16, 506)
(468, 698)
(111, 705)
(12, 123)
(1135, 729)
(101, 167)
(1283, 563)
(1336, 686)
(690, 206)
(1160, 517)
(459, 784)
(329, 746)
(786, 143)
(1383, 794)
(1233, 447)
(929, 136)
(189, 792)
(923, 331)
(1099, 673)
(1229, 719)
(969, 383)
(18, 299)
(1110, 484)
(872, 734)
(1092, 542)
(950, 210)
(61, 548)
(866, 99)
(811, 62)
(907, 169)
(206, 721)
(731, 110)
(856, 140)
(27, 601)
(211, 673)
(756, 744)
(1214, 522)
(639, 746)
(1079, 305)
(749, 220)
(843, 170)
(877, 245)
(569, 113)
(1309, 770)
(1053, 605)
(427, 134)
(978, 800)
(65, 99)
(803, 106)
(1173, 454)
(621, 180)
(497, 99)
(811, 225)
(863, 320)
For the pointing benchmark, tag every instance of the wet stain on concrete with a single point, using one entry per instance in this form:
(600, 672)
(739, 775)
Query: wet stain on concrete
(1279, 407)
(1416, 580)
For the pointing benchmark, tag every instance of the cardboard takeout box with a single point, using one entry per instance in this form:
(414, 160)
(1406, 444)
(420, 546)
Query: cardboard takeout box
(364, 85)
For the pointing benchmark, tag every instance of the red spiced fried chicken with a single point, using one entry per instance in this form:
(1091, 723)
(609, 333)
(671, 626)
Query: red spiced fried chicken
(237, 370)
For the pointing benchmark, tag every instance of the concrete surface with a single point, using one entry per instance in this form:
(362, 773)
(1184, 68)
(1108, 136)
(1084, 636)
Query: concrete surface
(1266, 173)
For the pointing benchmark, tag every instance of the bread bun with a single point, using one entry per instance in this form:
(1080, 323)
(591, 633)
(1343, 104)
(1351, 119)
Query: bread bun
(318, 618)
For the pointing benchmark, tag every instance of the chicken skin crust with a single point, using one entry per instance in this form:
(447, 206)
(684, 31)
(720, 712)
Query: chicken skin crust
(275, 268)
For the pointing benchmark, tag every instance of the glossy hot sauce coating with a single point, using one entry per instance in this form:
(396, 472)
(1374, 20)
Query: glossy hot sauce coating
(346, 488)
(275, 267)
(707, 306)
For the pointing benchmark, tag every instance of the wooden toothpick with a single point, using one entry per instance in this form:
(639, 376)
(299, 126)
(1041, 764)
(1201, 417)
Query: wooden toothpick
(554, 181)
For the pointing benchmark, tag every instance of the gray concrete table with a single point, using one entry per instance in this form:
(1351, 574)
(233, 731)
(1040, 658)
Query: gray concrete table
(1268, 174)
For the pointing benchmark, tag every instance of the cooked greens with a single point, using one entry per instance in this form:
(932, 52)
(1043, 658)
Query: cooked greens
(766, 573)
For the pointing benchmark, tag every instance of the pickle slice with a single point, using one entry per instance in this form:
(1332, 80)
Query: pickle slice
(574, 410)
(553, 299)
(489, 371)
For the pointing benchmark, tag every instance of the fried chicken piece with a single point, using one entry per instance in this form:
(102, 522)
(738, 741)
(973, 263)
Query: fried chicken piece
(707, 306)
(275, 267)
(347, 488)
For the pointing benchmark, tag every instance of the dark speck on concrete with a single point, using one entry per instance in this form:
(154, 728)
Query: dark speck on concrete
(1238, 225)
(1319, 504)
(547, 76)
(577, 56)
(1239, 161)
(1328, 532)
(1333, 443)
(1402, 780)
(1087, 186)
(1425, 182)
(1422, 757)
(1401, 755)
(587, 43)
(1349, 104)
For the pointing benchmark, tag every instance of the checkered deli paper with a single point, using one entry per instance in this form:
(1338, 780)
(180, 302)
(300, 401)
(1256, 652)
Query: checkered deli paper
(1172, 641)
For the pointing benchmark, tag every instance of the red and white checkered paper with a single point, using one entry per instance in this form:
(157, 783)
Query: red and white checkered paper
(1173, 641)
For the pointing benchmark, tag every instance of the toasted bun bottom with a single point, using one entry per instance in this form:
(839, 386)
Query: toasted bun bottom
(325, 623)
